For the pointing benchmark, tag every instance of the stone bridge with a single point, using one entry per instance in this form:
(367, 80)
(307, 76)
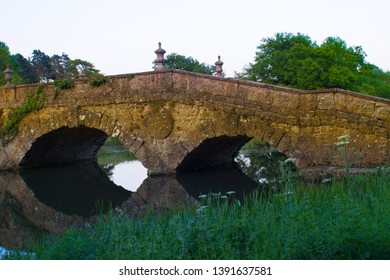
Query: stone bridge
(176, 121)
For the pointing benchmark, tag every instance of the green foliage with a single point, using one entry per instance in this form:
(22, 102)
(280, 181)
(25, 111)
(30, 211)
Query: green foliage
(60, 66)
(295, 61)
(23, 70)
(64, 84)
(98, 80)
(342, 145)
(35, 101)
(276, 59)
(304, 222)
(265, 164)
(79, 66)
(41, 65)
(130, 76)
(181, 62)
(4, 61)
(42, 68)
(372, 80)
(111, 153)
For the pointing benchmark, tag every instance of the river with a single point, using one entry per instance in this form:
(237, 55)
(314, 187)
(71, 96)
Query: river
(38, 201)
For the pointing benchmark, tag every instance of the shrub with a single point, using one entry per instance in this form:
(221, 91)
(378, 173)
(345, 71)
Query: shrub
(64, 84)
(98, 80)
(35, 101)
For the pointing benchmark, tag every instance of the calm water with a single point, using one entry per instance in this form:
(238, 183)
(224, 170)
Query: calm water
(257, 161)
(50, 199)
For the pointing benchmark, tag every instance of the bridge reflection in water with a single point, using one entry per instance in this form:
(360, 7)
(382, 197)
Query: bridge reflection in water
(74, 189)
(84, 189)
(52, 199)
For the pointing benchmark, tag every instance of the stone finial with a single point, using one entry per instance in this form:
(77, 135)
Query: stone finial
(8, 76)
(218, 67)
(160, 58)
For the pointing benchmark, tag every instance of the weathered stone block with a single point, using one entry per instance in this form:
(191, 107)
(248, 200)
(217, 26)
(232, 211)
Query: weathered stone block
(325, 101)
(307, 102)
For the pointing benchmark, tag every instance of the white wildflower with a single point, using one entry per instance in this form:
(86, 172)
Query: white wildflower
(263, 181)
(290, 160)
(326, 180)
(341, 143)
(200, 209)
(345, 137)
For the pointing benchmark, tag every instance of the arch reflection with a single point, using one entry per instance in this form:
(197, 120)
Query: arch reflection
(76, 189)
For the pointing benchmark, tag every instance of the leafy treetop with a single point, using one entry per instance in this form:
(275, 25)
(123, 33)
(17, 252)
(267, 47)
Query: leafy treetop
(296, 61)
(181, 62)
(41, 67)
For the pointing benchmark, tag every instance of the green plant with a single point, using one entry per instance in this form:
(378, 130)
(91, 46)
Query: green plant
(335, 221)
(288, 171)
(34, 101)
(64, 84)
(342, 145)
(98, 80)
(56, 93)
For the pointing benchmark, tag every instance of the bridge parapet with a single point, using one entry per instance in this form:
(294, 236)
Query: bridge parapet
(172, 82)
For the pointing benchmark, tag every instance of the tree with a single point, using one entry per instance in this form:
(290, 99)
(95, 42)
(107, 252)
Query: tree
(59, 66)
(277, 59)
(372, 80)
(4, 61)
(181, 62)
(22, 71)
(42, 65)
(295, 61)
(23, 68)
(78, 66)
(340, 64)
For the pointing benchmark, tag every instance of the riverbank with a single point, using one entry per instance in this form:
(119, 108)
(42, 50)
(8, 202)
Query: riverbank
(343, 219)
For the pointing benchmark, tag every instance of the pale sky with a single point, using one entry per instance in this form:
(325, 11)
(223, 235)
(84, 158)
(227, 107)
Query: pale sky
(120, 36)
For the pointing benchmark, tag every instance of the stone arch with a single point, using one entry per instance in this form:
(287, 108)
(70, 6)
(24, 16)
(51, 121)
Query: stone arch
(212, 152)
(64, 145)
(288, 139)
(80, 132)
(225, 138)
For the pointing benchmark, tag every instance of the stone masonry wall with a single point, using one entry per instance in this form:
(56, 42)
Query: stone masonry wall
(163, 116)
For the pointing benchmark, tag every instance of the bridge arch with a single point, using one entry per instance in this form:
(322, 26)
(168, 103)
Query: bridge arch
(64, 145)
(222, 149)
(212, 152)
(47, 137)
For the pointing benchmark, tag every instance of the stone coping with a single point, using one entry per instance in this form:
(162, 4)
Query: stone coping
(228, 79)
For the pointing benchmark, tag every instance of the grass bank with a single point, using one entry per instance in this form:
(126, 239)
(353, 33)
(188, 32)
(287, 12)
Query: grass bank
(346, 219)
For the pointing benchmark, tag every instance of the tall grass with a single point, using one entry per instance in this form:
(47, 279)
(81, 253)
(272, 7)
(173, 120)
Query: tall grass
(337, 221)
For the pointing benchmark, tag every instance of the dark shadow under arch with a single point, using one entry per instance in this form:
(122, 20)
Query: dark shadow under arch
(75, 189)
(64, 145)
(213, 152)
